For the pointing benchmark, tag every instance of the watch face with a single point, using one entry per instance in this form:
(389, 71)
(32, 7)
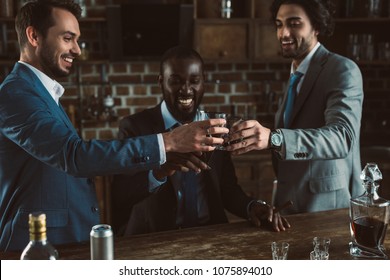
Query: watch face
(276, 139)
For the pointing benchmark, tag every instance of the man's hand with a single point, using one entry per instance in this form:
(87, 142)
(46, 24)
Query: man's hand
(265, 214)
(246, 136)
(180, 162)
(195, 136)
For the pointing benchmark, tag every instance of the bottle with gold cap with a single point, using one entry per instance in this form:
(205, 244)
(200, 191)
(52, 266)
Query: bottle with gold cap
(39, 248)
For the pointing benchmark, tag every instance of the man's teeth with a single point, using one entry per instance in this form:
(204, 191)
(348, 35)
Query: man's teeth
(287, 42)
(185, 101)
(68, 59)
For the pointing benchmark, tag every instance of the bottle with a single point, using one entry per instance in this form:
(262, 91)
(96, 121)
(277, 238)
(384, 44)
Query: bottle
(369, 217)
(226, 8)
(39, 248)
(84, 51)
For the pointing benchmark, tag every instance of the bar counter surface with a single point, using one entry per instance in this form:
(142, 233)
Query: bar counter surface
(232, 241)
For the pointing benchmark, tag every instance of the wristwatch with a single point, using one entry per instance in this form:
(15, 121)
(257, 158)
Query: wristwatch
(275, 140)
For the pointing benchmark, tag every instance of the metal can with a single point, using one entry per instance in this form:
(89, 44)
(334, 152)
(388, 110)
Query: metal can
(102, 242)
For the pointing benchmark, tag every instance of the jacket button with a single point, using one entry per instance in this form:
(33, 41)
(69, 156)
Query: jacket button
(94, 209)
(146, 158)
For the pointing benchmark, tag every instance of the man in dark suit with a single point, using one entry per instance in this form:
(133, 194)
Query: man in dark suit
(166, 203)
(316, 143)
(44, 165)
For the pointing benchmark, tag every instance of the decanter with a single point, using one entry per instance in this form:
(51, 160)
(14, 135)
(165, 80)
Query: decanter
(369, 217)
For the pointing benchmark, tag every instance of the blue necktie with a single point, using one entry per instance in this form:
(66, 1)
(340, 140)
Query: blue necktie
(291, 93)
(189, 187)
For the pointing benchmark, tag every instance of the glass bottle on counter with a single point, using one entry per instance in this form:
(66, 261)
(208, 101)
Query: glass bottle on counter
(39, 248)
(369, 217)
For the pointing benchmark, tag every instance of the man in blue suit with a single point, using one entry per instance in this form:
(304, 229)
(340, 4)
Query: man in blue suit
(44, 165)
(316, 145)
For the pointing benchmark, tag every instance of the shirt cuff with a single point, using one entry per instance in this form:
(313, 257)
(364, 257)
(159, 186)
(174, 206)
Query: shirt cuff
(161, 145)
(154, 184)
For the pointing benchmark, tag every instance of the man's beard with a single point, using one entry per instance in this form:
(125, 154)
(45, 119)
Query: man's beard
(49, 64)
(299, 53)
(184, 117)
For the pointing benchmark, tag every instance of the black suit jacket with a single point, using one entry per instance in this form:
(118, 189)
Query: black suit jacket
(135, 208)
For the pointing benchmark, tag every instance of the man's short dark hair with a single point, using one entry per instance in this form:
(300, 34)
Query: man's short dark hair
(38, 14)
(320, 13)
(180, 52)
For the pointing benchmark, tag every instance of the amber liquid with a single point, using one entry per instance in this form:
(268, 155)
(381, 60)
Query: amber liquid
(369, 232)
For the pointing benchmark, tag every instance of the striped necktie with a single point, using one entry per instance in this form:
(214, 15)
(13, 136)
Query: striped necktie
(291, 93)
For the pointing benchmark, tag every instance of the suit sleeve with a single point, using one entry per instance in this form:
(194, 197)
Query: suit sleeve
(342, 89)
(36, 127)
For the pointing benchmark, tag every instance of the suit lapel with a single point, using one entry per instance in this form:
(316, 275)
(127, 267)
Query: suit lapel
(315, 68)
(64, 116)
(155, 120)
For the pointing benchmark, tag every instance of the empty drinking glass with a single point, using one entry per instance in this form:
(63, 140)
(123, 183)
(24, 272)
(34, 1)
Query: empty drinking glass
(279, 250)
(321, 246)
(319, 255)
(218, 115)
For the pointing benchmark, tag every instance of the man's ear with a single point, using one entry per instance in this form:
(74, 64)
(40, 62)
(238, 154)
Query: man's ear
(160, 80)
(32, 36)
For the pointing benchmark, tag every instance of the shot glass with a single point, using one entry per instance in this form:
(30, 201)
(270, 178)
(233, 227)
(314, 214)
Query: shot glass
(218, 115)
(279, 250)
(231, 121)
(319, 255)
(321, 245)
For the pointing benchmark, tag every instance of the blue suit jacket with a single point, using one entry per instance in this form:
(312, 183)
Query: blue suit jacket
(45, 165)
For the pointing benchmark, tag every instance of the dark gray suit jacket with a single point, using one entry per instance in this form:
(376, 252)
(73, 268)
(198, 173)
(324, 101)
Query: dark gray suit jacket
(141, 212)
(322, 165)
(45, 166)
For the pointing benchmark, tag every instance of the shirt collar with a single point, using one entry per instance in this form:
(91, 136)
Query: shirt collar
(170, 121)
(55, 89)
(306, 61)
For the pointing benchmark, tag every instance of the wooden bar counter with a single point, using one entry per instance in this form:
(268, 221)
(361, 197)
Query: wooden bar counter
(238, 240)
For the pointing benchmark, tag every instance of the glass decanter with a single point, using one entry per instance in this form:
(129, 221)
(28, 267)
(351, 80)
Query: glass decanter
(369, 217)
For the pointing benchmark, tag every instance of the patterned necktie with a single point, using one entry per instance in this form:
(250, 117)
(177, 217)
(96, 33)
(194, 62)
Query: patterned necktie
(291, 93)
(189, 187)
